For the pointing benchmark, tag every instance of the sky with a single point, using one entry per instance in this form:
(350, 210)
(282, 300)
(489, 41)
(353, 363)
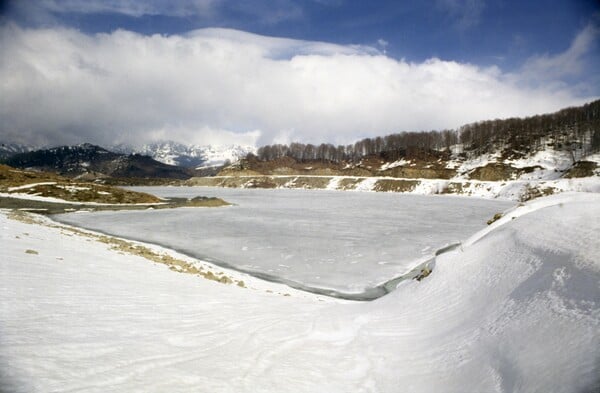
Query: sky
(275, 71)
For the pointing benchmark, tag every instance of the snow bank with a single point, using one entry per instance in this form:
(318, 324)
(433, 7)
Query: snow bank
(32, 185)
(516, 310)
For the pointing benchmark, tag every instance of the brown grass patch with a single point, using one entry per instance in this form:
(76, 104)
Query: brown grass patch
(395, 185)
(67, 189)
(581, 169)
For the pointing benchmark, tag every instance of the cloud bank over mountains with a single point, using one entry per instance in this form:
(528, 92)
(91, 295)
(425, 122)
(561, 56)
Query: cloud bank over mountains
(60, 86)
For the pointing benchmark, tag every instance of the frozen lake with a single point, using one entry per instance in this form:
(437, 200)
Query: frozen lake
(344, 241)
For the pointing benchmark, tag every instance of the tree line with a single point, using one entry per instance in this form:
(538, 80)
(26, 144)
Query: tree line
(567, 129)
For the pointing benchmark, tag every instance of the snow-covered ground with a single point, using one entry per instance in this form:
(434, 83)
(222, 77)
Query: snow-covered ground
(517, 309)
(347, 242)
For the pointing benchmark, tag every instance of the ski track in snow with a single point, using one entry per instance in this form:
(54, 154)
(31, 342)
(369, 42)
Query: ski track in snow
(516, 309)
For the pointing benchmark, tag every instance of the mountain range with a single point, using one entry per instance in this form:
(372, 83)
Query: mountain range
(188, 156)
(91, 161)
(565, 143)
(167, 152)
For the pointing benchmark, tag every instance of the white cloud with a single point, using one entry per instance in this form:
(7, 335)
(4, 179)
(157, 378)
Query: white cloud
(568, 63)
(130, 7)
(266, 12)
(383, 43)
(62, 86)
(465, 13)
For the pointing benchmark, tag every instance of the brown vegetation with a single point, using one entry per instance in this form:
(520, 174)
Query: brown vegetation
(532, 192)
(494, 172)
(56, 186)
(581, 169)
(496, 217)
(395, 185)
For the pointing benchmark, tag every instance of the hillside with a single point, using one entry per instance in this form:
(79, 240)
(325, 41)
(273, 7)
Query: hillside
(92, 162)
(49, 193)
(484, 159)
(515, 158)
(10, 149)
(22, 184)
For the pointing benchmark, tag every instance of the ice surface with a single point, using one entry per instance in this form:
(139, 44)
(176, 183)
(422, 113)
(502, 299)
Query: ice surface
(517, 309)
(344, 241)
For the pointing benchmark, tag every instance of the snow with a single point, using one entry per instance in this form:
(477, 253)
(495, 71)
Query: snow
(367, 184)
(327, 239)
(174, 153)
(592, 157)
(31, 185)
(552, 163)
(463, 167)
(547, 159)
(74, 189)
(515, 310)
(390, 165)
(334, 183)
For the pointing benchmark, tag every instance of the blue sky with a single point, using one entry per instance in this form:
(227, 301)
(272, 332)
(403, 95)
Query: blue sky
(526, 56)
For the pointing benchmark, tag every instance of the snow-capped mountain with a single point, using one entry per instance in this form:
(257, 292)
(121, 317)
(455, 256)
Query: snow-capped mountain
(10, 149)
(87, 158)
(191, 156)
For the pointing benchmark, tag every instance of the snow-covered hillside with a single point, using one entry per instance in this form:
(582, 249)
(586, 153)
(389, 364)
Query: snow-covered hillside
(191, 156)
(532, 175)
(517, 309)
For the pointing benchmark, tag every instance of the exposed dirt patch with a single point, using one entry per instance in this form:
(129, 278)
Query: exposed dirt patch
(261, 182)
(308, 182)
(234, 171)
(357, 171)
(532, 192)
(425, 272)
(395, 185)
(581, 169)
(44, 207)
(89, 192)
(496, 217)
(205, 202)
(494, 172)
(420, 173)
(281, 166)
(15, 181)
(212, 182)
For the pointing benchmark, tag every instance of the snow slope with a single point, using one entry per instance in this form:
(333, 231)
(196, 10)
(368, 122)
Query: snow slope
(516, 310)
